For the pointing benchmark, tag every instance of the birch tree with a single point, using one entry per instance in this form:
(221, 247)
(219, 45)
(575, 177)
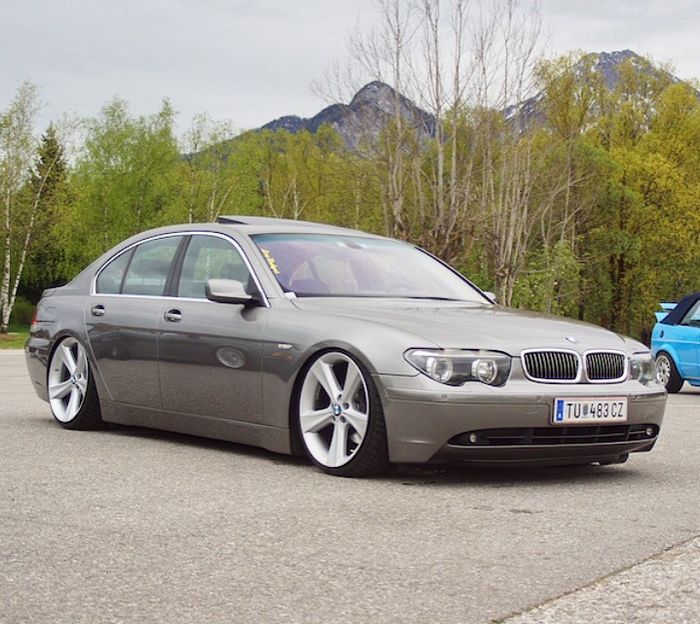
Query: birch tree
(17, 144)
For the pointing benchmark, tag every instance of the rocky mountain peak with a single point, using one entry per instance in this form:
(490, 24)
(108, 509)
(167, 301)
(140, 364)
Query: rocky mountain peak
(375, 93)
(363, 118)
(607, 64)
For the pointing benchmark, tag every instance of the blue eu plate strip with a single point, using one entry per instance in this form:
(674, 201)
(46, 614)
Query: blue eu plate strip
(559, 416)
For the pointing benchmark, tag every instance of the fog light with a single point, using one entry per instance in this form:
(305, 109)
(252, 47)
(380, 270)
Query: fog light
(473, 438)
(650, 432)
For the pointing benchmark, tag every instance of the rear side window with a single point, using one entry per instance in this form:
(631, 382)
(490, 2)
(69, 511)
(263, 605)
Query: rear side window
(109, 282)
(149, 267)
(210, 257)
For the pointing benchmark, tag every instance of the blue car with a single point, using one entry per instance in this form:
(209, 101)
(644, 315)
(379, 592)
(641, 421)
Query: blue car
(675, 343)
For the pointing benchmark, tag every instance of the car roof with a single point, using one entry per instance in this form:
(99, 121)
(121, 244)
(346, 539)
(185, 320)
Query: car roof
(271, 225)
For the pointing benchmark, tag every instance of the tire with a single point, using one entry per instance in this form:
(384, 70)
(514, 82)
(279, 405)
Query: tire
(71, 387)
(338, 416)
(667, 373)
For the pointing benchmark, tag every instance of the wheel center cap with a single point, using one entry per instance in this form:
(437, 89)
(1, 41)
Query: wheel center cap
(73, 380)
(337, 410)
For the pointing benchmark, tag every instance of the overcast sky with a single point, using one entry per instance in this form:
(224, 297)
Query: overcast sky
(252, 61)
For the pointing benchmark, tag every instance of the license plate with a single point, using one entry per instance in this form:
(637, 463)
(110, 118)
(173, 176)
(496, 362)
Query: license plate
(568, 411)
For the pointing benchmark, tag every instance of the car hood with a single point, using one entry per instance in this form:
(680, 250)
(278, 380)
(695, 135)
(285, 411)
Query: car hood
(463, 325)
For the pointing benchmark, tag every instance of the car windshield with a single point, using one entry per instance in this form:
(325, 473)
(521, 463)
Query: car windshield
(330, 265)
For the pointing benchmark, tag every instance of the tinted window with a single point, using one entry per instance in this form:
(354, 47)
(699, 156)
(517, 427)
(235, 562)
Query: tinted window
(110, 279)
(210, 257)
(324, 265)
(150, 266)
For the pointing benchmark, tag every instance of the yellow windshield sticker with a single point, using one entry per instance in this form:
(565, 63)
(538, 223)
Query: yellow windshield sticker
(270, 261)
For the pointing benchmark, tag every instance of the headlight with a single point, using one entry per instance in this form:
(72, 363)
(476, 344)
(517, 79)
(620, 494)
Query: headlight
(643, 368)
(455, 366)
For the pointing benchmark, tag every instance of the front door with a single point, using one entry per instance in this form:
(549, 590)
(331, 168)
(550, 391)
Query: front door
(211, 353)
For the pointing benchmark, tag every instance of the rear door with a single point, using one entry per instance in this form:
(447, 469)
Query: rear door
(122, 319)
(211, 353)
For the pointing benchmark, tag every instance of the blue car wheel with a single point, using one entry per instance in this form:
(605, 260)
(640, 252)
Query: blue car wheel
(667, 373)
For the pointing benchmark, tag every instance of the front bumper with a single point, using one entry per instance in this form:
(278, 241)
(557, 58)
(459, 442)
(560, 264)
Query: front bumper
(423, 418)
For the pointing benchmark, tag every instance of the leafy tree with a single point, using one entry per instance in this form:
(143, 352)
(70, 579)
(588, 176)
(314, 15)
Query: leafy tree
(49, 183)
(125, 179)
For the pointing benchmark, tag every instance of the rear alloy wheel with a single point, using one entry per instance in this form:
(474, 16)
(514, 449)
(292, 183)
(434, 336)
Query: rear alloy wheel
(667, 373)
(72, 393)
(340, 417)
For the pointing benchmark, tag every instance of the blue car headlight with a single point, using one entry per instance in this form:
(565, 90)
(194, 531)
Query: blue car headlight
(642, 368)
(456, 366)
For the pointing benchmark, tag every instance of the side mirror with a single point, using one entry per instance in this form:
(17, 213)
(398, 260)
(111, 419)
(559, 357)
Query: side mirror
(229, 291)
(491, 296)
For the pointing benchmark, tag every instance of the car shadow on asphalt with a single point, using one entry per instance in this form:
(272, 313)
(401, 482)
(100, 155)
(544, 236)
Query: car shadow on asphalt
(451, 475)
(407, 474)
(508, 476)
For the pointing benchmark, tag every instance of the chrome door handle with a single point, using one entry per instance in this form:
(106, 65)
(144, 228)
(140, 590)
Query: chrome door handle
(97, 310)
(173, 316)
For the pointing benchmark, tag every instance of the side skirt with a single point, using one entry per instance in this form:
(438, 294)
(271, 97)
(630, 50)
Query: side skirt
(274, 439)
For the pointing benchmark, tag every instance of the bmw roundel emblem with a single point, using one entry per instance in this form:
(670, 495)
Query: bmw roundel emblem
(571, 338)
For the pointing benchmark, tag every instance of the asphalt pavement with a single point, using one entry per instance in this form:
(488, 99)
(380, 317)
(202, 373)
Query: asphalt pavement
(132, 525)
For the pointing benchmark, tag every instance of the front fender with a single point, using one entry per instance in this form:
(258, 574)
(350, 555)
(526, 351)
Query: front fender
(288, 347)
(657, 347)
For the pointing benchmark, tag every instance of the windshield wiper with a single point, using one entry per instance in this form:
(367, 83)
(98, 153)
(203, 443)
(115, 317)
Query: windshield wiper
(433, 298)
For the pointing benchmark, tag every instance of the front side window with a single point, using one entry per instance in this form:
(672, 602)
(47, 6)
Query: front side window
(149, 267)
(330, 265)
(210, 257)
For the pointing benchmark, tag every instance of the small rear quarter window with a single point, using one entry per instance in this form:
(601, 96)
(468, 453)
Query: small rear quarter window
(109, 281)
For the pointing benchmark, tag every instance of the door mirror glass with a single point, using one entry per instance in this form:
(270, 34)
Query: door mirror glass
(229, 291)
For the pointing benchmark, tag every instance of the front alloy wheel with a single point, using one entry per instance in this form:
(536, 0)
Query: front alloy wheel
(340, 418)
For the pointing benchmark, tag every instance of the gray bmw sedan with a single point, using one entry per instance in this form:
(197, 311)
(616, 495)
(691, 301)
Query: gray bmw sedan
(354, 349)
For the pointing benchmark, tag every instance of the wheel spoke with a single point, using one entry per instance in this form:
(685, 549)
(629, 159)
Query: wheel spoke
(81, 364)
(73, 403)
(357, 419)
(82, 385)
(326, 377)
(353, 380)
(59, 390)
(337, 449)
(68, 359)
(314, 421)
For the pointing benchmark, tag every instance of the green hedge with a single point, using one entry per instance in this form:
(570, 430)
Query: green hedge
(22, 312)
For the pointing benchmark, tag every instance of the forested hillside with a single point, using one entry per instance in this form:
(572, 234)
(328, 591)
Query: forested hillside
(592, 212)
